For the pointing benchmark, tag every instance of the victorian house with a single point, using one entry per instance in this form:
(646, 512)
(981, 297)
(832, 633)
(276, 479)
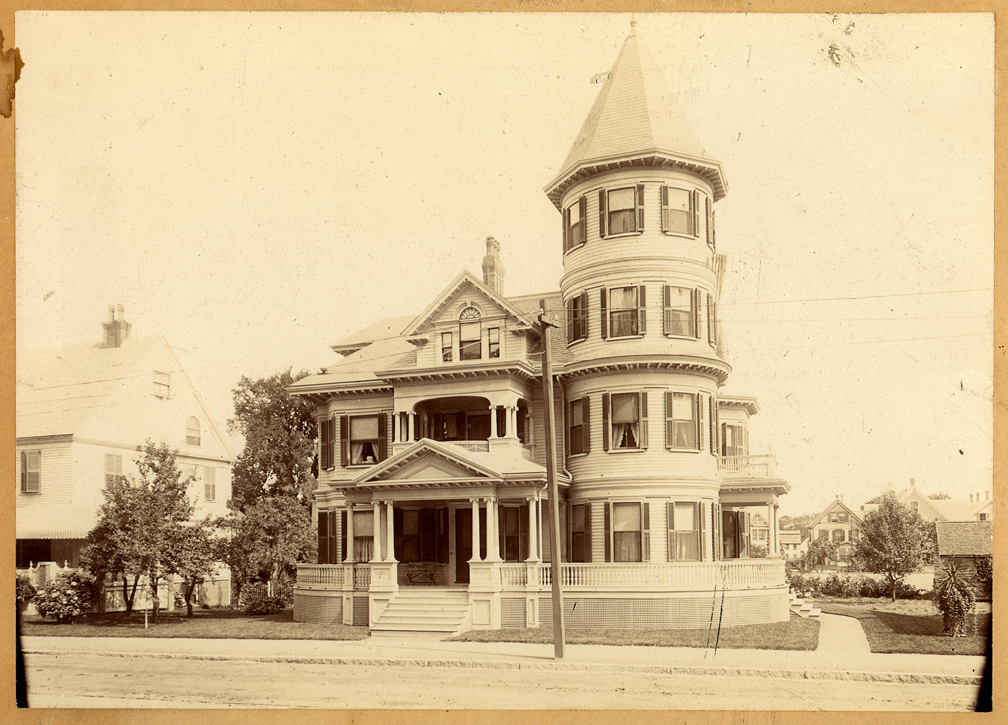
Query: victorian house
(432, 500)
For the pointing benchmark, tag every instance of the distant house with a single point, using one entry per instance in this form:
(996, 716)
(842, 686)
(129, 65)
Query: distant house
(945, 509)
(793, 545)
(964, 543)
(82, 412)
(839, 524)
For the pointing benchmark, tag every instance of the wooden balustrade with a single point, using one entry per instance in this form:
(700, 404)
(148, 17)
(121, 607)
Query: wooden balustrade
(513, 576)
(320, 576)
(761, 466)
(684, 576)
(362, 576)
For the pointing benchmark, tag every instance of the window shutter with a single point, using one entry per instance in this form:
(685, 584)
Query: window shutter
(583, 332)
(703, 531)
(666, 308)
(583, 211)
(711, 428)
(710, 225)
(323, 537)
(605, 322)
(605, 421)
(700, 421)
(640, 207)
(342, 550)
(642, 311)
(565, 234)
(382, 436)
(607, 520)
(669, 432)
(566, 426)
(646, 531)
(669, 530)
(24, 472)
(696, 417)
(696, 313)
(344, 424)
(710, 319)
(664, 209)
(569, 309)
(333, 541)
(696, 213)
(585, 430)
(601, 214)
(644, 417)
(320, 439)
(713, 219)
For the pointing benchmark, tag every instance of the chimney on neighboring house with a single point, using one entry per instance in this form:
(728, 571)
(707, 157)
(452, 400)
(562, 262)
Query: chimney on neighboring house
(912, 483)
(971, 498)
(117, 330)
(493, 268)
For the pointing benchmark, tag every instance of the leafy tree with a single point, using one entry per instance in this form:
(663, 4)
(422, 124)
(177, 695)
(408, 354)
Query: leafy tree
(759, 551)
(796, 523)
(279, 431)
(138, 523)
(192, 556)
(939, 496)
(267, 540)
(955, 599)
(894, 541)
(820, 552)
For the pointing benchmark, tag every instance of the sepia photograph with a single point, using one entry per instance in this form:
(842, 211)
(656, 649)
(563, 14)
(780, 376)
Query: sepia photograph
(504, 361)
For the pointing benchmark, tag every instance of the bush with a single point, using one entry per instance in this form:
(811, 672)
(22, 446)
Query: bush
(847, 586)
(256, 599)
(26, 591)
(955, 599)
(265, 605)
(984, 568)
(66, 597)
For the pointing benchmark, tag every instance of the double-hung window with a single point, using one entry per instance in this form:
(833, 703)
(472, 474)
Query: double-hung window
(681, 318)
(626, 311)
(684, 524)
(446, 347)
(622, 211)
(577, 318)
(574, 224)
(113, 469)
(362, 439)
(31, 471)
(493, 342)
(624, 421)
(327, 443)
(627, 531)
(734, 439)
(682, 421)
(470, 333)
(679, 211)
(577, 427)
(513, 532)
(580, 533)
(209, 483)
(192, 433)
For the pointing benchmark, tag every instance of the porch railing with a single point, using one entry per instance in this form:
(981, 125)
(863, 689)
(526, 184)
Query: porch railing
(362, 576)
(675, 576)
(472, 446)
(761, 466)
(322, 576)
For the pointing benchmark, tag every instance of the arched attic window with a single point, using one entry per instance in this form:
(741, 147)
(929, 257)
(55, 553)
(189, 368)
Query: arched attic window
(192, 431)
(470, 334)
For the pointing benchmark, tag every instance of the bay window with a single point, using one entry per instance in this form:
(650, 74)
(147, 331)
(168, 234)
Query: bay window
(682, 421)
(684, 523)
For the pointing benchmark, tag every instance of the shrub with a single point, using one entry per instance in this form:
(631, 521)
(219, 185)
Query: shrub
(66, 597)
(984, 568)
(265, 605)
(256, 599)
(26, 591)
(955, 599)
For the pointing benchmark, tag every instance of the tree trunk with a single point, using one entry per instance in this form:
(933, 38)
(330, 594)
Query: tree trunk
(155, 602)
(188, 589)
(892, 586)
(128, 596)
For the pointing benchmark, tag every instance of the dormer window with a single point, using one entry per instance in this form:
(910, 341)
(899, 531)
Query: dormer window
(470, 334)
(192, 431)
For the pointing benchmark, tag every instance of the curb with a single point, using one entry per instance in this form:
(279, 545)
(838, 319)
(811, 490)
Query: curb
(846, 675)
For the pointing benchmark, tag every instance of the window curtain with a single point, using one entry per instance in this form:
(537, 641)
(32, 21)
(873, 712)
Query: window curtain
(627, 532)
(625, 421)
(680, 313)
(622, 211)
(623, 311)
(684, 423)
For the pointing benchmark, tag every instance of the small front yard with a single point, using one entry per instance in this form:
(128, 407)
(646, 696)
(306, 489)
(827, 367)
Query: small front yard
(911, 626)
(205, 624)
(796, 634)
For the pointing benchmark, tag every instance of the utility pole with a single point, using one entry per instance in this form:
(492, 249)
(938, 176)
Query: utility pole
(551, 481)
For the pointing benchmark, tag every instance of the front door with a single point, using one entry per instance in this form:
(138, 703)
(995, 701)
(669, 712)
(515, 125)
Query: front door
(463, 544)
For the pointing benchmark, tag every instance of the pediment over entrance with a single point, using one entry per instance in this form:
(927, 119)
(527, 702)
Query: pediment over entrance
(430, 461)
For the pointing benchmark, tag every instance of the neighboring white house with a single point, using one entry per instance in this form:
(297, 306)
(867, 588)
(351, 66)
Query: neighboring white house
(976, 508)
(431, 430)
(839, 524)
(82, 412)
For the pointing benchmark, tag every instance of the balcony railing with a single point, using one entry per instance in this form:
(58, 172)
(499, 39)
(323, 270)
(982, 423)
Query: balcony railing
(320, 576)
(762, 466)
(664, 576)
(472, 446)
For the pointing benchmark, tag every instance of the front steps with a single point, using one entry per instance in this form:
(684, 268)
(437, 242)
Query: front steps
(424, 610)
(802, 607)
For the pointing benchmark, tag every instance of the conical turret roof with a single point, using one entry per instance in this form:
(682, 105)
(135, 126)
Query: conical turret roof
(635, 118)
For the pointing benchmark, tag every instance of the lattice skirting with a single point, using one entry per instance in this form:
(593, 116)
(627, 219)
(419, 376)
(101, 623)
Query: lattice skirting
(319, 608)
(635, 612)
(513, 612)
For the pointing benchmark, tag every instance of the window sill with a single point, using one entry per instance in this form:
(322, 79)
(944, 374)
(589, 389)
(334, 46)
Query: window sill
(626, 450)
(672, 336)
(683, 450)
(682, 235)
(577, 455)
(622, 235)
(625, 337)
(575, 247)
(362, 465)
(575, 342)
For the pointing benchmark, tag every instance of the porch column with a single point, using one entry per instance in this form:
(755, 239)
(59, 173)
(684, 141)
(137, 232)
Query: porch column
(376, 524)
(389, 533)
(475, 531)
(776, 531)
(539, 509)
(409, 426)
(493, 421)
(533, 532)
(511, 419)
(493, 538)
(348, 555)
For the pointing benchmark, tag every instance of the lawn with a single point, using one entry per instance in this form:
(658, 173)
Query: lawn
(911, 626)
(796, 634)
(205, 624)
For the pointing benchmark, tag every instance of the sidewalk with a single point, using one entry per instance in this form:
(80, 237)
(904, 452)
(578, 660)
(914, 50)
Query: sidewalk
(842, 654)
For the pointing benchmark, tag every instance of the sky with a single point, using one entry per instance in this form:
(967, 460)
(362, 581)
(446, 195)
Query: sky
(256, 186)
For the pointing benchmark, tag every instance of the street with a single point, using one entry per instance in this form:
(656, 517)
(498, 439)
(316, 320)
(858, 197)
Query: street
(88, 680)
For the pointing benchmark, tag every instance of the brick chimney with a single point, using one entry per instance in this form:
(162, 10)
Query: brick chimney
(116, 330)
(493, 268)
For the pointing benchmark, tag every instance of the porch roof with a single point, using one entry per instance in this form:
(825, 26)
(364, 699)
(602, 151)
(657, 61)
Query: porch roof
(54, 521)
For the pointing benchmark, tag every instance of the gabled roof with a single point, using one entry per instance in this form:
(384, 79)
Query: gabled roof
(420, 322)
(965, 538)
(384, 329)
(834, 504)
(635, 115)
(953, 509)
